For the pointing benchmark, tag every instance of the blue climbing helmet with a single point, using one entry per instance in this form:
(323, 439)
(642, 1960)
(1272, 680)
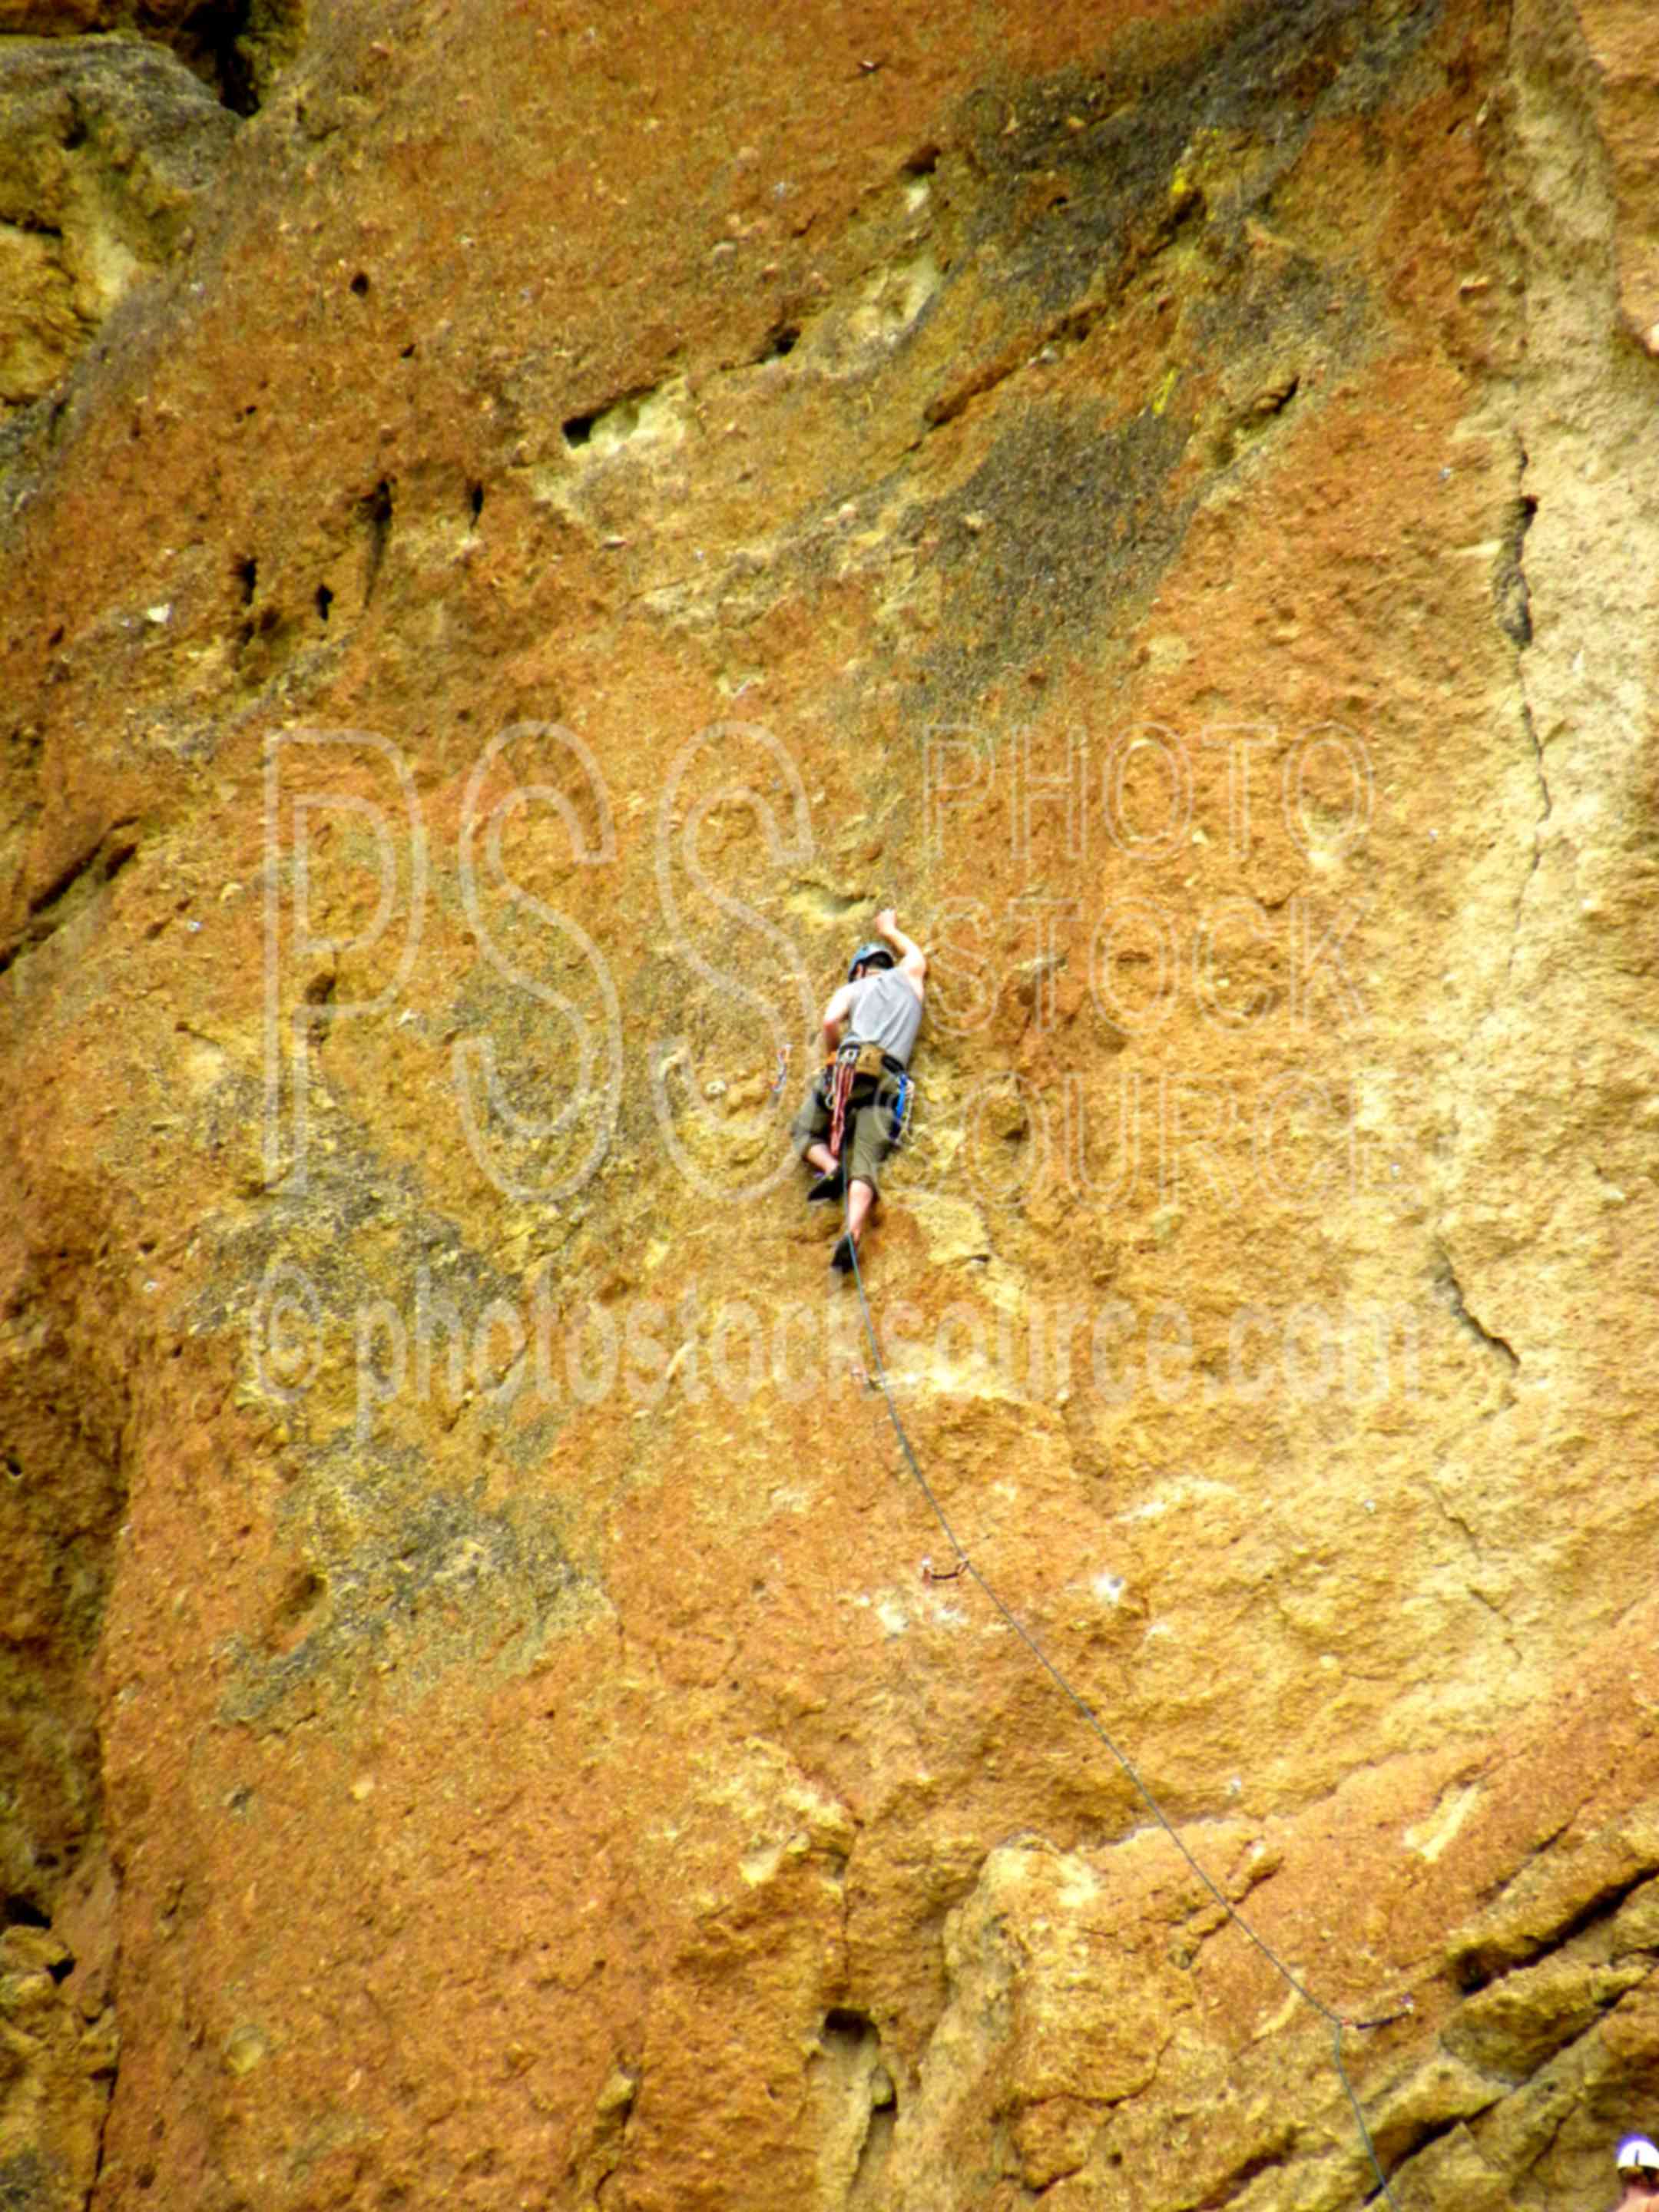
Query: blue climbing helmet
(875, 954)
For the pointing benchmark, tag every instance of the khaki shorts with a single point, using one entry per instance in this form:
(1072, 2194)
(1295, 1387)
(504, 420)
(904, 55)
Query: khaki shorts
(873, 1123)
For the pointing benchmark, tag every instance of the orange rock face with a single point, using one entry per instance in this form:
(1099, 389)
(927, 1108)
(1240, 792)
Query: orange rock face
(564, 521)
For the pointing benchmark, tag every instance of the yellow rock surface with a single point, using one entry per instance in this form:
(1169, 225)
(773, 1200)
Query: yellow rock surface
(560, 516)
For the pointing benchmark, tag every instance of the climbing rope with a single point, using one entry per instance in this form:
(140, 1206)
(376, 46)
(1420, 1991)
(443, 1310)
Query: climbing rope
(1337, 2022)
(846, 1068)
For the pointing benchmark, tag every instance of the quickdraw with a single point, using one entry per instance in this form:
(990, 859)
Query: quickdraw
(931, 1574)
(901, 1108)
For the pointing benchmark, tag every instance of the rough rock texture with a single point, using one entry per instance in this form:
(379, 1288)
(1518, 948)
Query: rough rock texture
(1625, 54)
(599, 502)
(104, 145)
(237, 47)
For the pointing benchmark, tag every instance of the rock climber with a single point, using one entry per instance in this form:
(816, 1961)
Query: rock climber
(855, 1113)
(1637, 2163)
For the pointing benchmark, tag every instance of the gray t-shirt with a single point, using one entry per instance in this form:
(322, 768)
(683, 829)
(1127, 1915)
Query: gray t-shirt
(885, 1012)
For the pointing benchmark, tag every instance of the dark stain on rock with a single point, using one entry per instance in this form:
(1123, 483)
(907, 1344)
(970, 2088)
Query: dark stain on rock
(440, 1580)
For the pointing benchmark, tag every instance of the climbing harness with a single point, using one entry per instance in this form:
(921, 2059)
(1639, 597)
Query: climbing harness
(852, 1060)
(1336, 2021)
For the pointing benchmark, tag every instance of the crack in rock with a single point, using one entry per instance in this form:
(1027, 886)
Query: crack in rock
(1452, 1291)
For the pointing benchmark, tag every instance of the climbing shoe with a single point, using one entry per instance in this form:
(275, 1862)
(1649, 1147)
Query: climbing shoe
(842, 1259)
(826, 1188)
